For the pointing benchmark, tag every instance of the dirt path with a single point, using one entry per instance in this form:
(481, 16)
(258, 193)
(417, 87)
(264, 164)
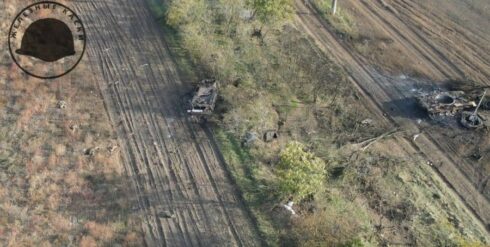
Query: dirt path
(171, 162)
(392, 96)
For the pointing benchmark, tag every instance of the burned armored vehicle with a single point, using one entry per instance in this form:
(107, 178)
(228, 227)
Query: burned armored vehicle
(449, 103)
(455, 103)
(204, 98)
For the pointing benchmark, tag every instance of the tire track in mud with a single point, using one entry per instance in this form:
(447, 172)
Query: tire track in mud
(170, 161)
(378, 90)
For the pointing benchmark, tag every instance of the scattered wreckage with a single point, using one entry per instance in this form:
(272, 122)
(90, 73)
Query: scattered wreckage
(456, 103)
(204, 99)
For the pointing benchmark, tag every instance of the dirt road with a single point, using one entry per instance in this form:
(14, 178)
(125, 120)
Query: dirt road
(186, 196)
(391, 97)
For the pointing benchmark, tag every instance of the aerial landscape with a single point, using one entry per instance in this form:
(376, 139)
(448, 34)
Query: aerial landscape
(343, 123)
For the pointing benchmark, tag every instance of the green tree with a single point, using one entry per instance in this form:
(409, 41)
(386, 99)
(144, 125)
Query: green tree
(270, 10)
(300, 172)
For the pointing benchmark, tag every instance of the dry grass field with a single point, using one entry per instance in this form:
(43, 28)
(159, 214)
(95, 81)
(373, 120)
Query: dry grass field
(61, 174)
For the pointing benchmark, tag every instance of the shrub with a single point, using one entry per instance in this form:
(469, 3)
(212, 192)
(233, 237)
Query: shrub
(300, 172)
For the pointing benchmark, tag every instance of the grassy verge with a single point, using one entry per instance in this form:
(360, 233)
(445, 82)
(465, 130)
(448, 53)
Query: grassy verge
(246, 171)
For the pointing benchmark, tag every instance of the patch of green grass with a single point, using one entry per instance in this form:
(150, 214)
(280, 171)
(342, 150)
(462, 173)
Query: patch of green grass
(245, 172)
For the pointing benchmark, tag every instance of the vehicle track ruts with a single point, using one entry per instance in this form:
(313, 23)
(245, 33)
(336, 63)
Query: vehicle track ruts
(414, 37)
(424, 54)
(476, 66)
(447, 24)
(478, 60)
(380, 91)
(171, 162)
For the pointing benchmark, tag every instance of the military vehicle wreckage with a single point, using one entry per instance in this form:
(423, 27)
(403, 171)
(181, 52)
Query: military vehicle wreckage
(453, 103)
(204, 99)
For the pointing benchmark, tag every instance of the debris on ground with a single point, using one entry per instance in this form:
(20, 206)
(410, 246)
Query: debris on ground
(74, 127)
(167, 215)
(289, 207)
(112, 148)
(416, 136)
(249, 139)
(90, 151)
(472, 120)
(367, 121)
(364, 145)
(61, 104)
(270, 135)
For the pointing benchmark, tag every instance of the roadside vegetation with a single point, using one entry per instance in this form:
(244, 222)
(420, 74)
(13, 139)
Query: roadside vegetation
(346, 188)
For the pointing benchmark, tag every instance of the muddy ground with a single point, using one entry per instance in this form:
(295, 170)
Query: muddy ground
(405, 47)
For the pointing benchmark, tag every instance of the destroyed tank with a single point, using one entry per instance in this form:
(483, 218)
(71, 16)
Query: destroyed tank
(204, 98)
(447, 103)
(452, 103)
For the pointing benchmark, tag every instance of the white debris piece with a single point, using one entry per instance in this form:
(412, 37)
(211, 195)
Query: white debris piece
(367, 121)
(416, 136)
(61, 104)
(289, 206)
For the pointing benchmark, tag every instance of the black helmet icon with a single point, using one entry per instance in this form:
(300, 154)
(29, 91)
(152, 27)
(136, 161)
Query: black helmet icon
(47, 39)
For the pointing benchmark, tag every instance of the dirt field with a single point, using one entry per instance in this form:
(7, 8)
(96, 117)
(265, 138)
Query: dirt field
(404, 48)
(61, 175)
(183, 188)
